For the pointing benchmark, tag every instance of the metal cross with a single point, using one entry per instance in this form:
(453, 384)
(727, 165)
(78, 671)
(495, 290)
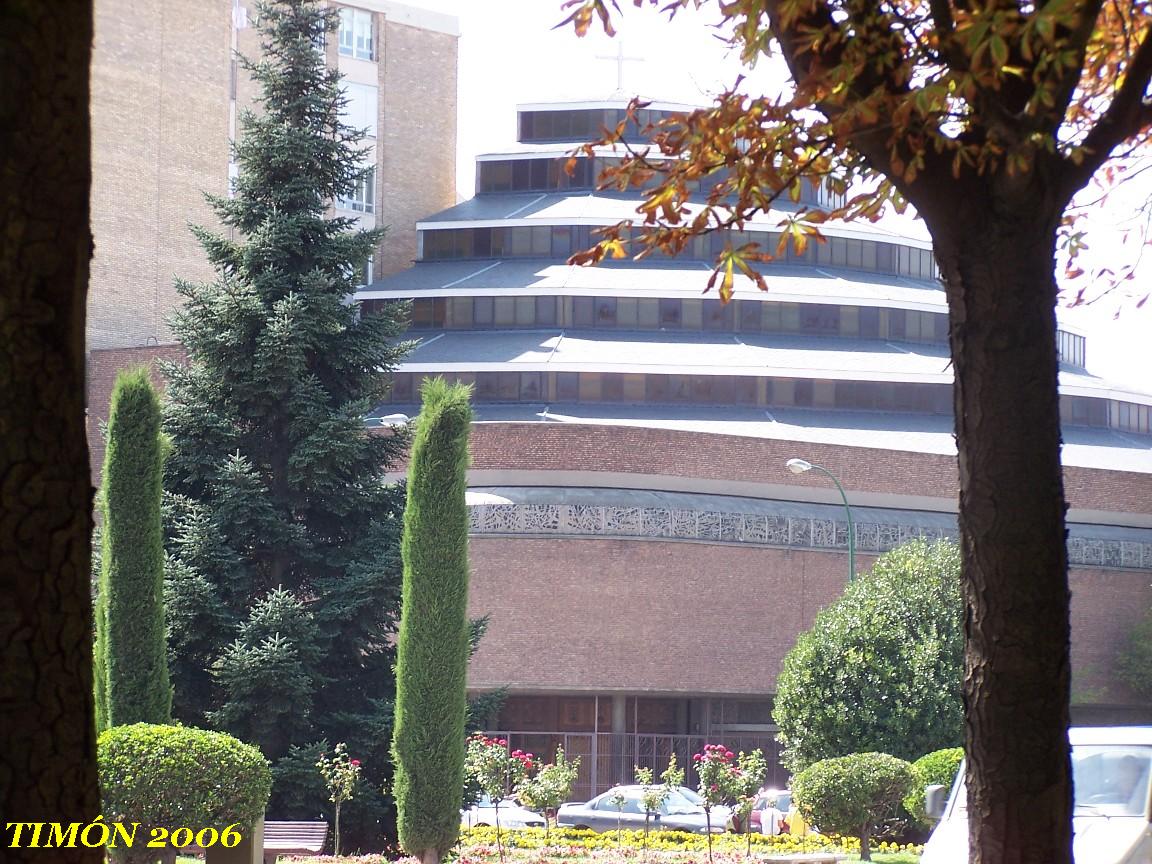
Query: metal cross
(620, 59)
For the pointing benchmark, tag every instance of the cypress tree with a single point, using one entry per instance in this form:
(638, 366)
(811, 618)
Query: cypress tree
(131, 665)
(283, 532)
(433, 648)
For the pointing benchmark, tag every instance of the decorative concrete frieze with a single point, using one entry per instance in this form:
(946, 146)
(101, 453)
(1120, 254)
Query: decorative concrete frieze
(757, 529)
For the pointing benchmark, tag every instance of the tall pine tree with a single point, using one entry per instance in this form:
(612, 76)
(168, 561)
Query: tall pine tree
(283, 534)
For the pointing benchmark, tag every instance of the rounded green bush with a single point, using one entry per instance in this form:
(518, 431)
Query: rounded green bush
(937, 768)
(176, 776)
(853, 794)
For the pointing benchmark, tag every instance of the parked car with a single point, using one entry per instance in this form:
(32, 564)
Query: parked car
(682, 810)
(1112, 816)
(512, 815)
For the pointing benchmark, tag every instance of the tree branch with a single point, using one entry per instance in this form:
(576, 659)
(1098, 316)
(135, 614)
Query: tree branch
(1125, 117)
(1066, 82)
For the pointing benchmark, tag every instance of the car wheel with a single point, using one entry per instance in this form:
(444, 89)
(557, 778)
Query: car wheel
(481, 825)
(582, 827)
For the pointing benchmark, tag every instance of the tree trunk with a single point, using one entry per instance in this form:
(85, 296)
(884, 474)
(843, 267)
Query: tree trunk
(866, 843)
(1001, 293)
(47, 751)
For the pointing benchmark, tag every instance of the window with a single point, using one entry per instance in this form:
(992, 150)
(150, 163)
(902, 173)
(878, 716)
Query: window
(362, 196)
(356, 34)
(361, 109)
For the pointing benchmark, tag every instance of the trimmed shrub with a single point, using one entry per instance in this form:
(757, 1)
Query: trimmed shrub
(131, 653)
(853, 794)
(881, 668)
(934, 769)
(434, 645)
(176, 777)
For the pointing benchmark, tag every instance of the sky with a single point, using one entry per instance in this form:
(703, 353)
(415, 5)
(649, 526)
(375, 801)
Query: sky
(510, 54)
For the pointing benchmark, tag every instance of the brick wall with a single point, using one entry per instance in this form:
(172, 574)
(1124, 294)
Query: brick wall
(417, 135)
(103, 367)
(159, 141)
(712, 457)
(664, 617)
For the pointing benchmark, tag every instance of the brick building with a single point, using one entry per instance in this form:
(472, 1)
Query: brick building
(644, 555)
(167, 94)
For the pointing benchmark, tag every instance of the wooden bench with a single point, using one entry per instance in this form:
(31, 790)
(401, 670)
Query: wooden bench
(293, 838)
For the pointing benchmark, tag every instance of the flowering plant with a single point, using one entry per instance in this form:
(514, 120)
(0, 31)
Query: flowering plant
(719, 779)
(550, 787)
(341, 775)
(489, 765)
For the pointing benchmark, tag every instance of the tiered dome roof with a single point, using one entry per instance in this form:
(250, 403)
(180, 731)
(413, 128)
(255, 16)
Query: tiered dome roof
(849, 343)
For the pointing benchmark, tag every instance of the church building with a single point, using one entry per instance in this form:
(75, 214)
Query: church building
(644, 553)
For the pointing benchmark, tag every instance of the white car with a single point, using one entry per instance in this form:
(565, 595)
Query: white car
(1112, 818)
(512, 815)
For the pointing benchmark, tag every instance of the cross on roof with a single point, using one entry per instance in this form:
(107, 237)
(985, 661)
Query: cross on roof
(620, 60)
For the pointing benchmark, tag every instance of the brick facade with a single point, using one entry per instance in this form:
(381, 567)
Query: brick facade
(160, 73)
(163, 85)
(749, 462)
(603, 616)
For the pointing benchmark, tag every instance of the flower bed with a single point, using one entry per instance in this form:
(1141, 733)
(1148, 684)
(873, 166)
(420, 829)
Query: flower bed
(477, 844)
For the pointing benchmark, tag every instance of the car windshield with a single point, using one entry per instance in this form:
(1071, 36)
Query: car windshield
(1112, 780)
(691, 794)
(679, 803)
(1108, 779)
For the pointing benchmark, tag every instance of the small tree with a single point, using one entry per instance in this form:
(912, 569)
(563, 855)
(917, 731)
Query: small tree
(550, 786)
(489, 765)
(750, 771)
(719, 781)
(617, 800)
(933, 769)
(1134, 660)
(341, 775)
(433, 647)
(131, 659)
(853, 794)
(881, 668)
(177, 777)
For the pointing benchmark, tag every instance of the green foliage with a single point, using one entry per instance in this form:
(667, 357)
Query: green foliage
(283, 582)
(933, 769)
(881, 668)
(175, 776)
(131, 663)
(853, 794)
(751, 769)
(1134, 660)
(433, 646)
(274, 662)
(550, 786)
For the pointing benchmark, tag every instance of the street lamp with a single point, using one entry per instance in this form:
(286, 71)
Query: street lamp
(799, 466)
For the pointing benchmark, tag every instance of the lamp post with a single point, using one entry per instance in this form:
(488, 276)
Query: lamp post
(799, 466)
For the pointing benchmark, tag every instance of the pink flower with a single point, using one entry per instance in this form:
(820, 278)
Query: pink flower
(356, 763)
(697, 758)
(728, 754)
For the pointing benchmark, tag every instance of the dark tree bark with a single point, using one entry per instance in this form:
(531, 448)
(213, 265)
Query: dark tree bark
(47, 752)
(996, 248)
